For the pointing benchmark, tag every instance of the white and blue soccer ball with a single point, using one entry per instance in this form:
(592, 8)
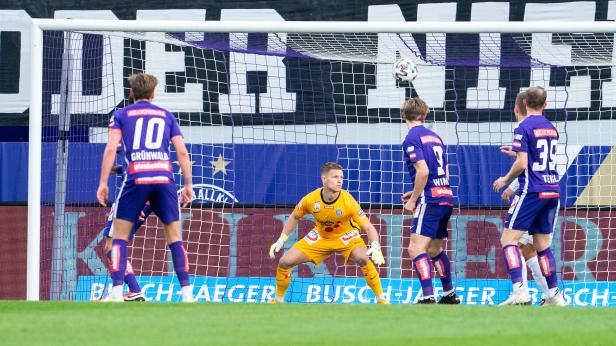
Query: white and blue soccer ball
(405, 71)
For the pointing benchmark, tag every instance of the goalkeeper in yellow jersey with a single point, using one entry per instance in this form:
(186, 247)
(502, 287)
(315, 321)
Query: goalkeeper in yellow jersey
(338, 220)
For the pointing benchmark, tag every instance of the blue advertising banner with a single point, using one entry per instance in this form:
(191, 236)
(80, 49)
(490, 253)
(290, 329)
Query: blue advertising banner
(278, 174)
(351, 290)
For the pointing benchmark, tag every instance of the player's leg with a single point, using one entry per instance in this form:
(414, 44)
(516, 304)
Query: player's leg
(418, 248)
(440, 260)
(542, 240)
(134, 290)
(529, 254)
(164, 202)
(290, 259)
(519, 218)
(355, 252)
(442, 265)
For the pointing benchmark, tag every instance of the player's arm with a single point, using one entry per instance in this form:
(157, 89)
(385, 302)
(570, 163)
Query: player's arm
(510, 190)
(520, 164)
(287, 229)
(185, 165)
(421, 179)
(109, 155)
(374, 251)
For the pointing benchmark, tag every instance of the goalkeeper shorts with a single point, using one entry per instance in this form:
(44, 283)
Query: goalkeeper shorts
(317, 248)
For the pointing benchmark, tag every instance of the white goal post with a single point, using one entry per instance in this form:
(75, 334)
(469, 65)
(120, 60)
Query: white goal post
(93, 26)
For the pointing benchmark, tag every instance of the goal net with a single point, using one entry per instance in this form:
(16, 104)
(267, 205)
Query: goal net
(260, 112)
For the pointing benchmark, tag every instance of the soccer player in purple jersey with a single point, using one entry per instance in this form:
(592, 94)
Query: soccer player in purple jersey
(146, 131)
(526, 245)
(535, 205)
(431, 202)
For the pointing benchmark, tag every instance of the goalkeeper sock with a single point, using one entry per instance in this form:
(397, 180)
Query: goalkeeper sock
(533, 264)
(283, 280)
(118, 261)
(423, 268)
(547, 263)
(129, 275)
(513, 262)
(372, 278)
(180, 262)
(443, 271)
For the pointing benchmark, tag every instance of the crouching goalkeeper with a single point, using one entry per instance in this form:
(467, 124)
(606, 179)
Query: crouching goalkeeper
(338, 219)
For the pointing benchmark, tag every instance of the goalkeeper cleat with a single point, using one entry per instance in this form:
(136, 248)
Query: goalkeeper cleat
(134, 297)
(187, 294)
(430, 300)
(451, 298)
(555, 300)
(382, 301)
(518, 297)
(276, 301)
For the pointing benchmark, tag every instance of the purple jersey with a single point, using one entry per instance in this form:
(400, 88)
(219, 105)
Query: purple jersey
(537, 136)
(146, 134)
(423, 144)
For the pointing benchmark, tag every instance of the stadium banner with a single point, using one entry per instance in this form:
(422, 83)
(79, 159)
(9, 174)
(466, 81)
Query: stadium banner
(280, 175)
(514, 73)
(239, 239)
(340, 290)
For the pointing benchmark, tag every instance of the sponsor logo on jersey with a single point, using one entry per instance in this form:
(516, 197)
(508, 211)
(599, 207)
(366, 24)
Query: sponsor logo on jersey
(542, 133)
(146, 112)
(149, 166)
(347, 237)
(543, 195)
(411, 148)
(441, 192)
(430, 139)
(317, 207)
(312, 237)
(412, 156)
(152, 180)
(518, 137)
(339, 212)
(212, 194)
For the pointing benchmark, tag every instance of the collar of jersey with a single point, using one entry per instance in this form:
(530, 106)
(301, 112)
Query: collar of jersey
(332, 202)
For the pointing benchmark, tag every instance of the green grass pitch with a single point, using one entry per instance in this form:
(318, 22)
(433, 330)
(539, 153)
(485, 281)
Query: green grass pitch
(67, 323)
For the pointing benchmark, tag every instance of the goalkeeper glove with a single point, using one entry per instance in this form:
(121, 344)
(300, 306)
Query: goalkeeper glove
(375, 253)
(277, 245)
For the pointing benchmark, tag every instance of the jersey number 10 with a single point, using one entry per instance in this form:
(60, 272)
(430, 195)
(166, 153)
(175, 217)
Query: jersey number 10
(152, 140)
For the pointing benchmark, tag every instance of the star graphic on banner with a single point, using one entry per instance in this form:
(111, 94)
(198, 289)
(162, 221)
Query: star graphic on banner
(180, 167)
(220, 165)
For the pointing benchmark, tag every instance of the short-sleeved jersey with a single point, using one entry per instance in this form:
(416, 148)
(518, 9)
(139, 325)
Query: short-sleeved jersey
(146, 134)
(332, 219)
(537, 137)
(423, 144)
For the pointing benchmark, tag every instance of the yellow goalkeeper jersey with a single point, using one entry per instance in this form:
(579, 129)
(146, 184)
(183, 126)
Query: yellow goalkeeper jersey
(332, 219)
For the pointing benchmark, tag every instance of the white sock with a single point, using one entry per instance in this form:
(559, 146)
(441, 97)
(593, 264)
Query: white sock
(117, 291)
(187, 294)
(280, 298)
(524, 272)
(533, 264)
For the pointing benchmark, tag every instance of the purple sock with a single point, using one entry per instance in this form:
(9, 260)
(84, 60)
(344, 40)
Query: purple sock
(130, 279)
(547, 263)
(129, 276)
(443, 270)
(118, 261)
(513, 262)
(180, 262)
(423, 268)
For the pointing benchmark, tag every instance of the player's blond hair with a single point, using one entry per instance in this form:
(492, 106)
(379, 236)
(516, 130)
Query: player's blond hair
(328, 166)
(519, 101)
(535, 97)
(142, 85)
(415, 109)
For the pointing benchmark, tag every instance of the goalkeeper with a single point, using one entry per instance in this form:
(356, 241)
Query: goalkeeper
(338, 220)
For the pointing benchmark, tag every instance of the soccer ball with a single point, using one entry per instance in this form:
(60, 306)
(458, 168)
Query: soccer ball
(405, 71)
